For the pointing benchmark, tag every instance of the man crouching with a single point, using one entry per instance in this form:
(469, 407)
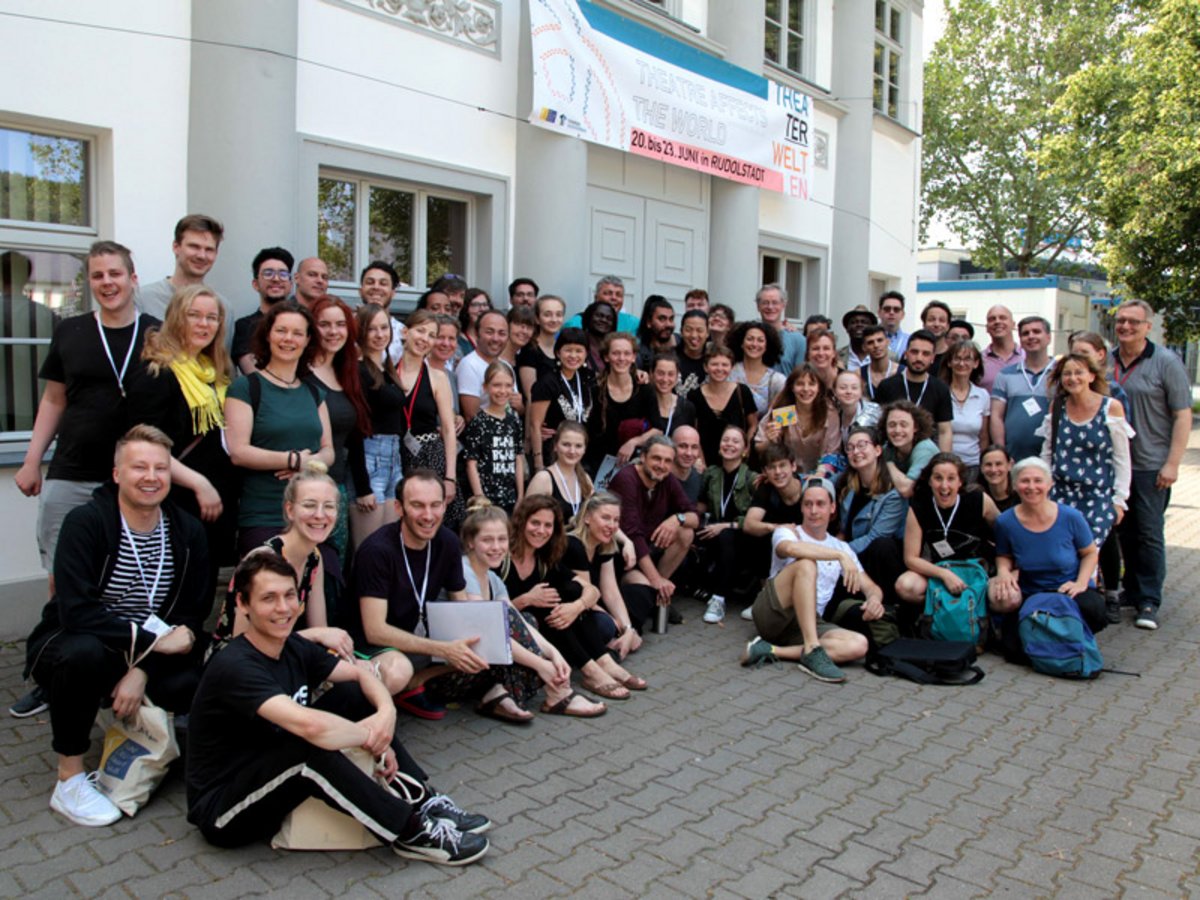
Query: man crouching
(257, 747)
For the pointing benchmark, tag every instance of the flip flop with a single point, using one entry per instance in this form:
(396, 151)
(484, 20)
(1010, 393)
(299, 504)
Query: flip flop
(610, 691)
(635, 684)
(493, 710)
(563, 708)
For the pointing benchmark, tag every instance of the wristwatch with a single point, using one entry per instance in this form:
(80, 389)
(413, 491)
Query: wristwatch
(680, 518)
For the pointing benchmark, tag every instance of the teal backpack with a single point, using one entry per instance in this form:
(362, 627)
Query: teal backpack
(957, 618)
(1056, 639)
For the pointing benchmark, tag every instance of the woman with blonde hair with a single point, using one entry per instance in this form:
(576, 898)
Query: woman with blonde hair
(181, 390)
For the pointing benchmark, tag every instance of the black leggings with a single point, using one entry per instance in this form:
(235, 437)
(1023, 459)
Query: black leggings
(1110, 561)
(732, 552)
(252, 806)
(580, 643)
(78, 673)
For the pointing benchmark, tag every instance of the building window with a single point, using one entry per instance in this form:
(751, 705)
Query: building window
(787, 27)
(46, 213)
(795, 273)
(423, 233)
(889, 54)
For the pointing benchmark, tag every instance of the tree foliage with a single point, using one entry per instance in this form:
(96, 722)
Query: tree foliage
(1135, 120)
(991, 85)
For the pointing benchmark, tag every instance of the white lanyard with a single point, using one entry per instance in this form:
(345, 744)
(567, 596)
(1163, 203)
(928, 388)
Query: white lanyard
(424, 584)
(562, 484)
(871, 385)
(1036, 382)
(576, 396)
(108, 351)
(946, 523)
(726, 497)
(924, 386)
(151, 590)
(671, 417)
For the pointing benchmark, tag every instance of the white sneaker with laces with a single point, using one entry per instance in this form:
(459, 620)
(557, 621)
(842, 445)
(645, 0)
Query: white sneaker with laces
(748, 614)
(715, 611)
(79, 800)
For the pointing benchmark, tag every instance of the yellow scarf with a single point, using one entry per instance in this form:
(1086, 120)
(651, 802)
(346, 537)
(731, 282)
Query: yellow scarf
(203, 391)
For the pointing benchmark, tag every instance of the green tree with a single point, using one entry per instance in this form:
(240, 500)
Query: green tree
(1134, 119)
(990, 87)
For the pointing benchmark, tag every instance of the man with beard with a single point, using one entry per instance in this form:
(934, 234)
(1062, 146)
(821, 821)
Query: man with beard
(656, 331)
(915, 385)
(881, 364)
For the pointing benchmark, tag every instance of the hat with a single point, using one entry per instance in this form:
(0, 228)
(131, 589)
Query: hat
(818, 481)
(859, 310)
(964, 325)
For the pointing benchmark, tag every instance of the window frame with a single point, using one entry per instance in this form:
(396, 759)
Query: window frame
(26, 236)
(807, 25)
(890, 47)
(421, 194)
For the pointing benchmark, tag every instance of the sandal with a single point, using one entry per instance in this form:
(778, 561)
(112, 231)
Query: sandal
(493, 710)
(610, 691)
(563, 708)
(635, 684)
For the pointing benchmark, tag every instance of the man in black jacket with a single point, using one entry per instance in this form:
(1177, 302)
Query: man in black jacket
(132, 591)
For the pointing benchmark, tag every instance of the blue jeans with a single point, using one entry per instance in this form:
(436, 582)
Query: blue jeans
(1142, 542)
(382, 452)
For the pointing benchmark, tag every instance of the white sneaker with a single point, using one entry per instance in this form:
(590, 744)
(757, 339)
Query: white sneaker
(748, 614)
(715, 611)
(78, 799)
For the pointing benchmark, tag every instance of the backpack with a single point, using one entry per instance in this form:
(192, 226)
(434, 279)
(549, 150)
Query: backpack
(1056, 639)
(927, 662)
(957, 618)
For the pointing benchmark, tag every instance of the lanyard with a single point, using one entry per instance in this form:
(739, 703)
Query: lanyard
(424, 584)
(562, 484)
(946, 523)
(1128, 370)
(576, 395)
(671, 417)
(108, 350)
(888, 374)
(1037, 380)
(151, 590)
(924, 387)
(726, 497)
(412, 405)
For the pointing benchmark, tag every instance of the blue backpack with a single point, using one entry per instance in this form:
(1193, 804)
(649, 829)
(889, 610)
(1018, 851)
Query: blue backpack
(1056, 639)
(957, 618)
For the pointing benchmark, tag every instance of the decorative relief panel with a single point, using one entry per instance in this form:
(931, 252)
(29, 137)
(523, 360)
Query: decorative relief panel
(468, 23)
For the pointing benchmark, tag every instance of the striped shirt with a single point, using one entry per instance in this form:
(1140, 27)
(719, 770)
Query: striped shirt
(134, 574)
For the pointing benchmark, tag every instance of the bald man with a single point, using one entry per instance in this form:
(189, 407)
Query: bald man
(312, 281)
(687, 452)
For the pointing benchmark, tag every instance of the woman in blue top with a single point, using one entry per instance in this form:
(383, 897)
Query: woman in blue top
(871, 511)
(1043, 546)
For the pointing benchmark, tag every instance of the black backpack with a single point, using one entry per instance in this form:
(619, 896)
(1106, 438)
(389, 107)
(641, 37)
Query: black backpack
(927, 662)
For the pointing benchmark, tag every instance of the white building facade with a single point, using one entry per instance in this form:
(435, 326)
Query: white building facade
(363, 129)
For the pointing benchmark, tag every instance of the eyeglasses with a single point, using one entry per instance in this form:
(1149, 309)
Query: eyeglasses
(891, 309)
(208, 319)
(860, 445)
(275, 274)
(1125, 320)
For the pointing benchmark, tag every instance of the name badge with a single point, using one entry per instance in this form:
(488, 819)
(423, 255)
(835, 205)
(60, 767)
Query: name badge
(156, 626)
(411, 444)
(943, 548)
(1032, 408)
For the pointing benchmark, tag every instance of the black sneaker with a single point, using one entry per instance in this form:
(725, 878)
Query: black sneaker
(30, 705)
(1147, 617)
(439, 806)
(1112, 609)
(440, 842)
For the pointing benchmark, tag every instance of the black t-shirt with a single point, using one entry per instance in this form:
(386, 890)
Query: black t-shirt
(386, 402)
(562, 395)
(380, 571)
(691, 373)
(969, 534)
(531, 357)
(778, 511)
(683, 414)
(558, 576)
(575, 559)
(225, 732)
(604, 423)
(933, 394)
(96, 412)
(711, 423)
(243, 331)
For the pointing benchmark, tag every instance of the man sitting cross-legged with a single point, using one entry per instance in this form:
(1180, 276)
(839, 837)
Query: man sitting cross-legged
(814, 576)
(257, 746)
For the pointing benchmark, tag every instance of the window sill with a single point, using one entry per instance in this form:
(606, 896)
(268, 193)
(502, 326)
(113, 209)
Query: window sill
(660, 20)
(887, 125)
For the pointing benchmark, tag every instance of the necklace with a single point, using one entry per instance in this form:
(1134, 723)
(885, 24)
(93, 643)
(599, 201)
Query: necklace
(280, 378)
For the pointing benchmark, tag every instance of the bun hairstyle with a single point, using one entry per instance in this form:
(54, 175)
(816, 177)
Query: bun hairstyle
(480, 511)
(312, 470)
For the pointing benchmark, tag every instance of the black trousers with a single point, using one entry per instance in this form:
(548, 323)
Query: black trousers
(254, 804)
(579, 643)
(78, 674)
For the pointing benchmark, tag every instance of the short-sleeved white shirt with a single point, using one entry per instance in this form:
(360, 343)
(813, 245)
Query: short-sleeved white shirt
(828, 570)
(470, 372)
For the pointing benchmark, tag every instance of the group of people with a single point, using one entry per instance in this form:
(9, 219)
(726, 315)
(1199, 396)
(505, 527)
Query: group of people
(589, 471)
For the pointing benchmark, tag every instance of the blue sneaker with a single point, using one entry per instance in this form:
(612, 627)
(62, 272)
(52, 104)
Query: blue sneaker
(758, 653)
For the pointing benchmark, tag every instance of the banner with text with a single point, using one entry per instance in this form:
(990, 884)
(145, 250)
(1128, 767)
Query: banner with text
(613, 82)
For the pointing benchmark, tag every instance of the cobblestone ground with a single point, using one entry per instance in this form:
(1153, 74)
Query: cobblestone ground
(722, 782)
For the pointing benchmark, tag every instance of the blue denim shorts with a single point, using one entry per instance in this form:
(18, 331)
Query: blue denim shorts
(383, 465)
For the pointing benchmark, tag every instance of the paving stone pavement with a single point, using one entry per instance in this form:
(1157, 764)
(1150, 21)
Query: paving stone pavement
(723, 782)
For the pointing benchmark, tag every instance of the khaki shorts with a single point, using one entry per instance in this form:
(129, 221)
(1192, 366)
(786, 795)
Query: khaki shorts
(58, 497)
(777, 625)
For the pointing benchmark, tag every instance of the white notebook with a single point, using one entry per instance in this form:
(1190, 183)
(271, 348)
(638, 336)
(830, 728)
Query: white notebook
(452, 620)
